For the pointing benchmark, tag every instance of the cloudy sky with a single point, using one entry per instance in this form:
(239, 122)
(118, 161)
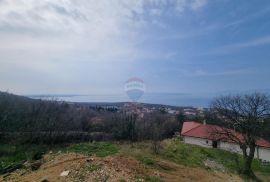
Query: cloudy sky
(94, 46)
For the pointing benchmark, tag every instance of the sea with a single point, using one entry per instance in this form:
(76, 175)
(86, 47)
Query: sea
(172, 99)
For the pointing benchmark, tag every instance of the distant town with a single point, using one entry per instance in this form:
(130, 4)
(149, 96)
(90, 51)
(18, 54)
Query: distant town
(142, 108)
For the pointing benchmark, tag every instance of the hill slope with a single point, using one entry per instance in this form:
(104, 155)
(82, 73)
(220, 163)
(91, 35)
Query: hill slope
(135, 162)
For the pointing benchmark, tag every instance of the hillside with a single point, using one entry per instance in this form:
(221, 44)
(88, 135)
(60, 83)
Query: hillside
(41, 139)
(130, 162)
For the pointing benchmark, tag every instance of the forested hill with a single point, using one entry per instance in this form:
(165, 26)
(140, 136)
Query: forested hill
(39, 121)
(37, 117)
(24, 115)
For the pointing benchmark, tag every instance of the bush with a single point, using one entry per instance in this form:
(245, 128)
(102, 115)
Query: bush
(12, 155)
(101, 149)
(146, 160)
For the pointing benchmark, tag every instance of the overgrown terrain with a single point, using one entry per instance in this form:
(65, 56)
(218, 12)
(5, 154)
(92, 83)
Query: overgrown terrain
(103, 161)
(41, 139)
(24, 120)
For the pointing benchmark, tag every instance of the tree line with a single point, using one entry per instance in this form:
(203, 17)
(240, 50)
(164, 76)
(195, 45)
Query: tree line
(25, 120)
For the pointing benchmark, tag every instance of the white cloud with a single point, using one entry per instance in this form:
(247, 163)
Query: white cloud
(182, 5)
(192, 33)
(201, 72)
(47, 36)
(251, 43)
(197, 4)
(97, 27)
(80, 16)
(229, 48)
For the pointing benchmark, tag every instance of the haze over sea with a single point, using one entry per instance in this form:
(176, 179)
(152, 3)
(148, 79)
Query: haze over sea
(173, 99)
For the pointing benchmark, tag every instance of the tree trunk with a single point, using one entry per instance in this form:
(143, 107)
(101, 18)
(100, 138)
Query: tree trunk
(247, 170)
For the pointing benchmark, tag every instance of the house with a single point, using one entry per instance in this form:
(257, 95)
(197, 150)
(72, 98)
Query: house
(190, 112)
(202, 135)
(171, 111)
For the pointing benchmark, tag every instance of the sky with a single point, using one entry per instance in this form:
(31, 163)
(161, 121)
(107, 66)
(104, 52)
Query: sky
(94, 46)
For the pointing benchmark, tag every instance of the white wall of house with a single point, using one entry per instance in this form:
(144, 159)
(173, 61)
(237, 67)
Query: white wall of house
(198, 141)
(264, 154)
(231, 147)
(261, 153)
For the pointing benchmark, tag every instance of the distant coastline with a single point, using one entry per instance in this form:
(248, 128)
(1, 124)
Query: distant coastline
(172, 99)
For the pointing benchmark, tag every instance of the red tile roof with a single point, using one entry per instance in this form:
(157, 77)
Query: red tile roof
(263, 143)
(188, 125)
(206, 131)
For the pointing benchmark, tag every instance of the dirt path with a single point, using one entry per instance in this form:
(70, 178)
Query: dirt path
(113, 169)
(179, 173)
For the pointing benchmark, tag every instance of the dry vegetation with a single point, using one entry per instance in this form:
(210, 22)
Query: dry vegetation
(41, 139)
(130, 162)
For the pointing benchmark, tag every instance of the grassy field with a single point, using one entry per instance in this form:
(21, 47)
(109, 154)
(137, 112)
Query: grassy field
(189, 155)
(12, 155)
(101, 149)
(171, 150)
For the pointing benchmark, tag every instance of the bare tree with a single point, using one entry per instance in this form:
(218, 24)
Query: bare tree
(157, 129)
(245, 114)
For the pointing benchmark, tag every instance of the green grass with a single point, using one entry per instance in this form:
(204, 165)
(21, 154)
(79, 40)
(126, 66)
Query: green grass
(122, 180)
(146, 160)
(101, 149)
(189, 155)
(151, 161)
(148, 179)
(183, 154)
(173, 150)
(93, 167)
(87, 168)
(13, 154)
(153, 179)
(265, 170)
(192, 155)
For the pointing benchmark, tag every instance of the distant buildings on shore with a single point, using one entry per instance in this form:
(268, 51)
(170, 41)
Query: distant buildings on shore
(141, 109)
